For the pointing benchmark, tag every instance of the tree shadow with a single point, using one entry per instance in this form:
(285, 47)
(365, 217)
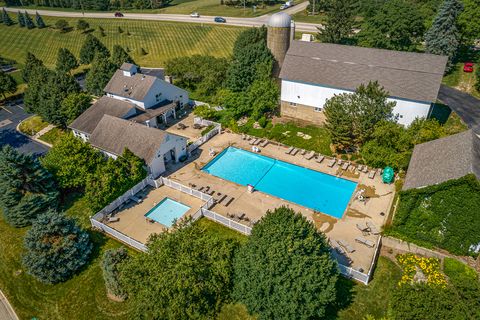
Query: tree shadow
(344, 297)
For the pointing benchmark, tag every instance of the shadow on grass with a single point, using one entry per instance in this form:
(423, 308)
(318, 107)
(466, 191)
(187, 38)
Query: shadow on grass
(345, 297)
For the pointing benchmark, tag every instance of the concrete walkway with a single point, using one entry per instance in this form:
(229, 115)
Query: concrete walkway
(6, 310)
(43, 131)
(233, 21)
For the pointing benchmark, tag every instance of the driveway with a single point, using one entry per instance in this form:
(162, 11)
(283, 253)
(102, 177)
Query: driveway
(465, 105)
(10, 117)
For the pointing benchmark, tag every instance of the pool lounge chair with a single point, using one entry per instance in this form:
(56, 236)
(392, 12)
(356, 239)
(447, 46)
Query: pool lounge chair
(135, 199)
(335, 246)
(364, 228)
(310, 155)
(365, 169)
(226, 202)
(294, 152)
(113, 219)
(368, 243)
(332, 162)
(373, 228)
(289, 150)
(264, 143)
(360, 168)
(253, 142)
(346, 165)
(346, 246)
(303, 152)
(371, 174)
(320, 158)
(257, 142)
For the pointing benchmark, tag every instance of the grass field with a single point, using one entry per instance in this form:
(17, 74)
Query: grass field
(32, 125)
(53, 136)
(463, 81)
(161, 40)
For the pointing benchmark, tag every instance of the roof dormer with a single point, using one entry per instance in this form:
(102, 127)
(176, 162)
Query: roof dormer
(129, 69)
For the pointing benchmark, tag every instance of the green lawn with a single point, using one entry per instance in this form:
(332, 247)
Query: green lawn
(161, 40)
(203, 7)
(304, 16)
(53, 136)
(32, 125)
(464, 81)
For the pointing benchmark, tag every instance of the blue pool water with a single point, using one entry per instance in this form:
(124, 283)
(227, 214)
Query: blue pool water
(167, 211)
(306, 187)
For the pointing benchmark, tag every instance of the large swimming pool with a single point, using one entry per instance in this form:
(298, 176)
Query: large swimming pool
(167, 211)
(306, 187)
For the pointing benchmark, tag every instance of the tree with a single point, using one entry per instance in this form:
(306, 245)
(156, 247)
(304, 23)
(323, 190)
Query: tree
(31, 63)
(6, 18)
(28, 21)
(338, 27)
(90, 48)
(443, 37)
(120, 56)
(284, 270)
(111, 266)
(62, 25)
(66, 61)
(26, 188)
(20, 19)
(202, 265)
(396, 25)
(72, 161)
(82, 25)
(55, 248)
(39, 21)
(99, 74)
(7, 84)
(317, 6)
(477, 83)
(351, 117)
(469, 20)
(74, 105)
(263, 95)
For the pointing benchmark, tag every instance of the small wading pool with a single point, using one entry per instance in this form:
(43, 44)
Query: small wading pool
(309, 188)
(167, 211)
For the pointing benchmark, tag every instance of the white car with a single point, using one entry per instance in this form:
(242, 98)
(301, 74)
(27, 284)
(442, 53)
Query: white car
(194, 15)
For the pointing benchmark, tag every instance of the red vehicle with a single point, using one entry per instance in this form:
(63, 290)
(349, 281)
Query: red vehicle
(468, 67)
(118, 14)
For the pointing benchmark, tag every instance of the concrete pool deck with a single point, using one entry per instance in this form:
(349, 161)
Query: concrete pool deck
(254, 205)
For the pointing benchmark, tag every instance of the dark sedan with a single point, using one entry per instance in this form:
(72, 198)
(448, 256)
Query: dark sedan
(220, 20)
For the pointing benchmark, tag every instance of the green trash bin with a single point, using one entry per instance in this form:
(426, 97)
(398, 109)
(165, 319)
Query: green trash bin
(388, 175)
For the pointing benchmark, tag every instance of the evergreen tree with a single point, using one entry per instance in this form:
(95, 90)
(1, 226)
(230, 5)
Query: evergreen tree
(62, 25)
(66, 61)
(111, 263)
(20, 19)
(99, 74)
(6, 18)
(7, 84)
(55, 248)
(26, 188)
(28, 21)
(284, 270)
(338, 27)
(31, 63)
(443, 37)
(119, 56)
(39, 21)
(90, 48)
(82, 25)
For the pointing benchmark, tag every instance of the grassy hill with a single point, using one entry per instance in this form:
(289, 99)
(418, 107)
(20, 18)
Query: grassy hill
(161, 40)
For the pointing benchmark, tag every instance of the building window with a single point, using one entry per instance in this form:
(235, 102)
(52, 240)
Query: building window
(317, 109)
(157, 96)
(292, 104)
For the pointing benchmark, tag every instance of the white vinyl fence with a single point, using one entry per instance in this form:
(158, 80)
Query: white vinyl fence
(217, 128)
(118, 235)
(227, 222)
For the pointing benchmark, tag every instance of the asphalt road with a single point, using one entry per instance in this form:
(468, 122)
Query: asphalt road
(465, 105)
(241, 22)
(10, 117)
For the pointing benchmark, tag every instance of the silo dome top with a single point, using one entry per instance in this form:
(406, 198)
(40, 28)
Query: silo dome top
(280, 20)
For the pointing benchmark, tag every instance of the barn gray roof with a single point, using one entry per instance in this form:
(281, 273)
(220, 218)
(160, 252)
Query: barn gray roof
(114, 135)
(134, 87)
(407, 75)
(444, 159)
(89, 119)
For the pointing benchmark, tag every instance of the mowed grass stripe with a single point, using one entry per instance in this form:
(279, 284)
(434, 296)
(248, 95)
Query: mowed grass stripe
(161, 40)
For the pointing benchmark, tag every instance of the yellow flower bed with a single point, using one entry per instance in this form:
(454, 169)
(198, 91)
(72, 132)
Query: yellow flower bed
(429, 266)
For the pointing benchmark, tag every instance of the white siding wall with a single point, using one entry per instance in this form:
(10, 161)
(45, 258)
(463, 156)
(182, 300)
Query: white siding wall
(85, 137)
(316, 96)
(138, 103)
(168, 91)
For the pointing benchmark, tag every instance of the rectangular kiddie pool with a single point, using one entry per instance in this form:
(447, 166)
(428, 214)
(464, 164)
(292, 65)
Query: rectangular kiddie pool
(309, 188)
(167, 211)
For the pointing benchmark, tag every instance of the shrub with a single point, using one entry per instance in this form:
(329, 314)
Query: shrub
(55, 248)
(262, 122)
(61, 25)
(111, 264)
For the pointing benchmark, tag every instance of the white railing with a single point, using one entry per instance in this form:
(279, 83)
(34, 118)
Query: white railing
(217, 128)
(374, 260)
(352, 273)
(227, 222)
(184, 189)
(119, 235)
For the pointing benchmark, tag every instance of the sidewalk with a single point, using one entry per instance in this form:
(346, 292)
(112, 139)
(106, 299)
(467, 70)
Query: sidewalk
(6, 310)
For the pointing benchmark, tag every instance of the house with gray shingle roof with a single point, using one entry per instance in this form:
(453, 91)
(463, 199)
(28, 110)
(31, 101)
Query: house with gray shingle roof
(444, 159)
(314, 72)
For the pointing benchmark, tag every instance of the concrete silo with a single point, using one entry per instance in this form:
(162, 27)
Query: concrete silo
(281, 31)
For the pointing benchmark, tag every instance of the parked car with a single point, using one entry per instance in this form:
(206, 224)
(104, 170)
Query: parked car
(283, 7)
(220, 20)
(194, 15)
(118, 14)
(468, 67)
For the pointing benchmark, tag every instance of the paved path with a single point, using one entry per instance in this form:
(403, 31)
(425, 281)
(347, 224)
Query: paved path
(242, 22)
(465, 105)
(6, 310)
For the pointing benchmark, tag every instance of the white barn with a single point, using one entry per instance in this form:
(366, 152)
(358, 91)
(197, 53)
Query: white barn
(314, 72)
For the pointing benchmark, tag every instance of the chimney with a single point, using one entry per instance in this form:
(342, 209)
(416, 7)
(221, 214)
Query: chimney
(169, 79)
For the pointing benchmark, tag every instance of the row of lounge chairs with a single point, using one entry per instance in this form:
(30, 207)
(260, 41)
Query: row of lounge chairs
(218, 197)
(256, 141)
(368, 228)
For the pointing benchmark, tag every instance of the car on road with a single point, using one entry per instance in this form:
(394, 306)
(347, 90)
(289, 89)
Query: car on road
(468, 67)
(220, 20)
(118, 14)
(283, 7)
(194, 15)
